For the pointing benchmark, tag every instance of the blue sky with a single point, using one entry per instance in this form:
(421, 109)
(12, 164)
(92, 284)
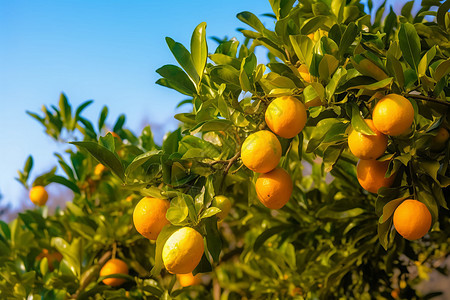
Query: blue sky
(107, 51)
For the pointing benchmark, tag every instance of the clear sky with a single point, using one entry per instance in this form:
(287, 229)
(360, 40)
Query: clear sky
(105, 50)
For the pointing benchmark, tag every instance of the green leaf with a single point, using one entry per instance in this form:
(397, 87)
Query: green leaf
(313, 24)
(425, 61)
(108, 142)
(103, 115)
(79, 111)
(409, 44)
(442, 70)
(319, 132)
(204, 266)
(441, 14)
(382, 84)
(213, 240)
(313, 91)
(175, 78)
(170, 144)
(165, 233)
(64, 181)
(327, 212)
(199, 48)
(358, 122)
(395, 69)
(225, 74)
(178, 211)
(348, 38)
(338, 77)
(153, 156)
(389, 209)
(251, 20)
(119, 123)
(384, 229)
(268, 233)
(66, 110)
(327, 66)
(104, 156)
(184, 58)
(303, 48)
(28, 166)
(209, 212)
(222, 59)
(72, 253)
(390, 22)
(213, 125)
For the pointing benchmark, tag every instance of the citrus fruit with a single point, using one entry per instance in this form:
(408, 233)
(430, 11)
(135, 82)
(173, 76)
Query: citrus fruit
(261, 151)
(412, 219)
(274, 188)
(286, 116)
(114, 266)
(189, 279)
(99, 169)
(38, 195)
(439, 140)
(224, 204)
(393, 115)
(149, 216)
(183, 251)
(367, 146)
(370, 174)
(304, 73)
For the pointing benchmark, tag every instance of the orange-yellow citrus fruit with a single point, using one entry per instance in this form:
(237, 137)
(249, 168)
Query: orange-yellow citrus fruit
(114, 266)
(99, 169)
(274, 188)
(183, 251)
(224, 204)
(189, 279)
(393, 115)
(412, 219)
(286, 116)
(370, 174)
(304, 73)
(261, 151)
(38, 195)
(367, 146)
(149, 216)
(439, 140)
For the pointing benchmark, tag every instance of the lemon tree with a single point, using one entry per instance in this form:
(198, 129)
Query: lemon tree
(316, 222)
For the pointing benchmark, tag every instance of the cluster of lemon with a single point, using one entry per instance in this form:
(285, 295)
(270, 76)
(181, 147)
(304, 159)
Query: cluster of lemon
(393, 115)
(181, 252)
(261, 151)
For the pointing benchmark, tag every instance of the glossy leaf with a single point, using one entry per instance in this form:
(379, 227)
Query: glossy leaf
(104, 156)
(409, 44)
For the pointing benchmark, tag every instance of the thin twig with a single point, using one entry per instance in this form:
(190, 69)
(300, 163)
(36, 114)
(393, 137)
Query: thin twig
(232, 161)
(426, 98)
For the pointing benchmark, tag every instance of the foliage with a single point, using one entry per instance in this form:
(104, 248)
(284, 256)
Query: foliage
(331, 240)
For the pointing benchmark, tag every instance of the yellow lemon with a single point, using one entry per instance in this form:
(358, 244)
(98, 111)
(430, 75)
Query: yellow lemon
(183, 251)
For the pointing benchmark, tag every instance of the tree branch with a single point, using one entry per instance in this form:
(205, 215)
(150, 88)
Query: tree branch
(425, 98)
